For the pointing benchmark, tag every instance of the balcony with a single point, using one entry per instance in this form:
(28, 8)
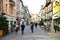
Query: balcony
(12, 2)
(47, 4)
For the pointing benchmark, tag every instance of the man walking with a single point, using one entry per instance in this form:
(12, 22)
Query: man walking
(55, 28)
(22, 27)
(36, 25)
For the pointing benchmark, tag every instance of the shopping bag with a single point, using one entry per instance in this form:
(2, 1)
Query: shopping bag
(15, 28)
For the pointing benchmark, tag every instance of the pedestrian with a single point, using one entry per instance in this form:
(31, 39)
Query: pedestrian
(49, 30)
(55, 28)
(32, 26)
(36, 25)
(16, 29)
(12, 27)
(22, 28)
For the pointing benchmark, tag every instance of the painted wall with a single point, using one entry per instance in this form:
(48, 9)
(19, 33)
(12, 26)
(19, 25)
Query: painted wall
(10, 16)
(6, 2)
(56, 8)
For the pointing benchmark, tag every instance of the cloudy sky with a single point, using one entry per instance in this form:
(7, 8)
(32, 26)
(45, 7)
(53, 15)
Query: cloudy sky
(34, 6)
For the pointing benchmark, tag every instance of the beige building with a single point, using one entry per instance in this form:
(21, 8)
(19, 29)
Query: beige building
(18, 8)
(48, 13)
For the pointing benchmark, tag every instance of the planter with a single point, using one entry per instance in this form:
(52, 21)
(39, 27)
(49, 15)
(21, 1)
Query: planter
(4, 33)
(1, 33)
(41, 26)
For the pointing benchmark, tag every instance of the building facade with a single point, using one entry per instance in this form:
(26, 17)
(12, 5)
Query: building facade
(24, 12)
(48, 13)
(18, 8)
(56, 12)
(9, 8)
(18, 12)
(42, 12)
(27, 15)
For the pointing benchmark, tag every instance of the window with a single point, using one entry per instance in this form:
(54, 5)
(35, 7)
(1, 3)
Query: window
(6, 7)
(11, 10)
(0, 6)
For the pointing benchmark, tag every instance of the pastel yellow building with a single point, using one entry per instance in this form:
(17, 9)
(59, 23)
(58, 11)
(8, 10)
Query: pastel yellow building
(56, 8)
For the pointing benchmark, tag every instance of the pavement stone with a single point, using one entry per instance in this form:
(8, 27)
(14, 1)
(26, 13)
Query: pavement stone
(38, 34)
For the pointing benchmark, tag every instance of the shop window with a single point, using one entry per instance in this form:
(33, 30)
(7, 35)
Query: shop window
(14, 21)
(6, 7)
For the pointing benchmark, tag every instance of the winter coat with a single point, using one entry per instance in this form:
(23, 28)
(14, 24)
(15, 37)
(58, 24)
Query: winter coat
(22, 27)
(55, 27)
(32, 26)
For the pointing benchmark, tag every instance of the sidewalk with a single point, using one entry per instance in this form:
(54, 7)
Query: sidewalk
(57, 34)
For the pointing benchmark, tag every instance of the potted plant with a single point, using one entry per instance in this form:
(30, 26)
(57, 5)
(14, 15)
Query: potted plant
(41, 24)
(1, 33)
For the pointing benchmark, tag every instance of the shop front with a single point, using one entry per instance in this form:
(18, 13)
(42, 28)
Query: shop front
(56, 12)
(57, 20)
(11, 21)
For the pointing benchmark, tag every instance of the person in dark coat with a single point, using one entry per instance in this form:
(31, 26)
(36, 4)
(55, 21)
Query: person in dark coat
(55, 28)
(22, 28)
(36, 25)
(12, 27)
(32, 26)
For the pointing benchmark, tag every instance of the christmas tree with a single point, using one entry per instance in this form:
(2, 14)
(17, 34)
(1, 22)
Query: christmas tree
(4, 24)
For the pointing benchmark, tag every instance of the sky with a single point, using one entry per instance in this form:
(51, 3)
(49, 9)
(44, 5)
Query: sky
(34, 6)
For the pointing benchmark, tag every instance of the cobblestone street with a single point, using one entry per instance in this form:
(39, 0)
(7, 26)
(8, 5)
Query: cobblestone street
(38, 34)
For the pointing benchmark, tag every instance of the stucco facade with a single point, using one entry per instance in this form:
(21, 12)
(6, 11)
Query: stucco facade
(9, 8)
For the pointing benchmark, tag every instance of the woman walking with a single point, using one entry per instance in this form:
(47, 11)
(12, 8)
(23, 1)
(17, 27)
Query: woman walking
(32, 26)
